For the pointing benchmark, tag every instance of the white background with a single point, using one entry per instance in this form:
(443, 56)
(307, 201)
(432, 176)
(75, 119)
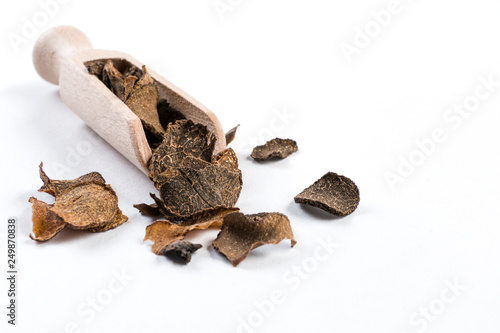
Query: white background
(397, 253)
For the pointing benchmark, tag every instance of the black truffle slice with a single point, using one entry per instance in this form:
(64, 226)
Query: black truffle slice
(333, 193)
(241, 233)
(186, 175)
(280, 148)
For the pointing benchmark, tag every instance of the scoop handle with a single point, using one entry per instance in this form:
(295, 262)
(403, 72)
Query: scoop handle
(55, 47)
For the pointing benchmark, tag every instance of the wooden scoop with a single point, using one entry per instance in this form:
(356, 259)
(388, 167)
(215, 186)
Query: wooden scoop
(59, 57)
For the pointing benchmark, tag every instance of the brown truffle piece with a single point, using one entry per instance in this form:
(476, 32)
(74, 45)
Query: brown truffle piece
(142, 100)
(95, 67)
(182, 139)
(279, 148)
(114, 80)
(231, 134)
(241, 233)
(55, 187)
(182, 249)
(333, 193)
(188, 179)
(46, 223)
(117, 221)
(85, 203)
(128, 86)
(140, 92)
(164, 232)
(148, 210)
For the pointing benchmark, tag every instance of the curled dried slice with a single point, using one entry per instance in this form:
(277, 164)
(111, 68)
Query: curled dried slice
(46, 223)
(280, 148)
(143, 99)
(148, 210)
(55, 187)
(241, 233)
(231, 134)
(182, 249)
(164, 232)
(87, 205)
(113, 79)
(333, 193)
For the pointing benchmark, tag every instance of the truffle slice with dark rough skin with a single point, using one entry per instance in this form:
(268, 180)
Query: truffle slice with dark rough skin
(333, 193)
(182, 249)
(189, 179)
(279, 148)
(241, 233)
(182, 139)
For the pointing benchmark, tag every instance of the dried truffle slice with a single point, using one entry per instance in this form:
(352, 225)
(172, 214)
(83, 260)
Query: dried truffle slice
(119, 83)
(118, 220)
(182, 139)
(164, 232)
(132, 70)
(214, 217)
(227, 159)
(128, 86)
(143, 100)
(188, 179)
(46, 223)
(148, 210)
(241, 233)
(189, 191)
(95, 67)
(161, 207)
(333, 193)
(114, 80)
(231, 134)
(55, 187)
(280, 148)
(87, 205)
(182, 249)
